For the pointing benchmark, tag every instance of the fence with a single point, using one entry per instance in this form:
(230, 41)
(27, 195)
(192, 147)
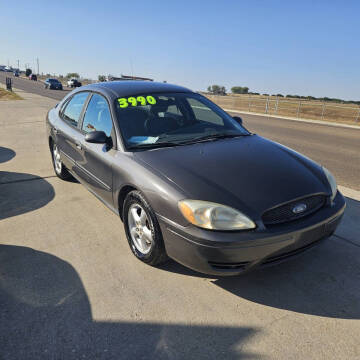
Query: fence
(305, 109)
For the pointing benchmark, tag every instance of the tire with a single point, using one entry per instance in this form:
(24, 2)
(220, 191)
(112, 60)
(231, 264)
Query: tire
(149, 250)
(59, 168)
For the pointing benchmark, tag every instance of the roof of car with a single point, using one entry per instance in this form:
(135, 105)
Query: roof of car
(134, 87)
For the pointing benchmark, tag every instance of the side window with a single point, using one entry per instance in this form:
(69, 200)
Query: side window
(73, 108)
(97, 116)
(203, 113)
(173, 109)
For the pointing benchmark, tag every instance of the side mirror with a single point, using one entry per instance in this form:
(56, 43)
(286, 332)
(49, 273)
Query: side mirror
(96, 137)
(238, 119)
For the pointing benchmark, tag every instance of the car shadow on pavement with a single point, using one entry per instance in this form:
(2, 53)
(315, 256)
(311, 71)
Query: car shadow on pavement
(46, 314)
(22, 192)
(6, 154)
(324, 281)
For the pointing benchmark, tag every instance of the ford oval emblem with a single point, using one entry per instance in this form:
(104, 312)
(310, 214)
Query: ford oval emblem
(299, 208)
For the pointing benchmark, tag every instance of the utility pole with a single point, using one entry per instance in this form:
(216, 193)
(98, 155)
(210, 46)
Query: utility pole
(37, 61)
(18, 62)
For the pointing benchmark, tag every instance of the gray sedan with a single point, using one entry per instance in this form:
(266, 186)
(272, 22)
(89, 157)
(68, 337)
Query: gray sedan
(188, 180)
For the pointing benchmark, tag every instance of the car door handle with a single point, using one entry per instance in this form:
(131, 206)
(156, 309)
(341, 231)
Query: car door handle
(78, 145)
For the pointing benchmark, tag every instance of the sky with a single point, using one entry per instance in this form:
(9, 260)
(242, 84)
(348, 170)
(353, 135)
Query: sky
(289, 47)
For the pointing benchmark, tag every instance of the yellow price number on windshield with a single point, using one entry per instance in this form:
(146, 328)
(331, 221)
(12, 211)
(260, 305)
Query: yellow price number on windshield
(136, 101)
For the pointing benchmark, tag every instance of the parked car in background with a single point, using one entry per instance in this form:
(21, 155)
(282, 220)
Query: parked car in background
(188, 180)
(16, 73)
(33, 77)
(53, 84)
(73, 83)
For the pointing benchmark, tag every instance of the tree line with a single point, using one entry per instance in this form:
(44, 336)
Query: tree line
(221, 90)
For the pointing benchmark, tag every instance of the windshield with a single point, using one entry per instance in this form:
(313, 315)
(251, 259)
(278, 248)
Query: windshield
(53, 80)
(152, 120)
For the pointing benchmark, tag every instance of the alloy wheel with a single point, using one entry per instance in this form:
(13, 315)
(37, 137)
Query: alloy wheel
(57, 161)
(139, 228)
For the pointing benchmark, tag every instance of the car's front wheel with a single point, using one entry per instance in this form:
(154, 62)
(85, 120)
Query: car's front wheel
(59, 168)
(142, 230)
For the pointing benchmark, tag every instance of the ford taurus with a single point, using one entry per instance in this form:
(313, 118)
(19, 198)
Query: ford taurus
(188, 180)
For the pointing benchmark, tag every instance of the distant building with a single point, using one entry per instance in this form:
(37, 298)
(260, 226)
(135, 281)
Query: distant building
(128, 77)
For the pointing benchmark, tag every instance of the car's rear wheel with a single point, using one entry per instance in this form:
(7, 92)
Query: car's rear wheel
(142, 230)
(59, 168)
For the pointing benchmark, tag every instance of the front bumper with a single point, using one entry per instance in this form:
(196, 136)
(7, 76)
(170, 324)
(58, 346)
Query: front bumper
(232, 253)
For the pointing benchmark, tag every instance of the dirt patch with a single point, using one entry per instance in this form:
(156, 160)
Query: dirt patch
(9, 95)
(297, 108)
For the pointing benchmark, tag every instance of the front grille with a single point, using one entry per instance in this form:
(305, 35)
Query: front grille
(284, 213)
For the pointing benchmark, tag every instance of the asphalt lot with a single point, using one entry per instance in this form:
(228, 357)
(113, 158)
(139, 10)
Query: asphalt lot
(336, 148)
(35, 87)
(71, 289)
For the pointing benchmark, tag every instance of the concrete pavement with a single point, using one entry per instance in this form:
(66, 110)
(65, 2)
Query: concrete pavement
(71, 289)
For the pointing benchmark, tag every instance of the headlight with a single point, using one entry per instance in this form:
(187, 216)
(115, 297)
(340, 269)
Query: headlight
(332, 183)
(209, 215)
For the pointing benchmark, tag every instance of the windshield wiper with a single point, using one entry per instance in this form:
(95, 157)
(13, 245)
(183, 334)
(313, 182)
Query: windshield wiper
(154, 145)
(212, 137)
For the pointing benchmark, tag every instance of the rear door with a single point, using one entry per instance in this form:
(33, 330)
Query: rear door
(68, 135)
(95, 162)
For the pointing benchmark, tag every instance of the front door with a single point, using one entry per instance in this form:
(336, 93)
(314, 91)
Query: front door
(95, 163)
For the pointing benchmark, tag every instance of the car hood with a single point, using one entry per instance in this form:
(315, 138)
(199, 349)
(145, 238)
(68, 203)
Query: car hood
(249, 173)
